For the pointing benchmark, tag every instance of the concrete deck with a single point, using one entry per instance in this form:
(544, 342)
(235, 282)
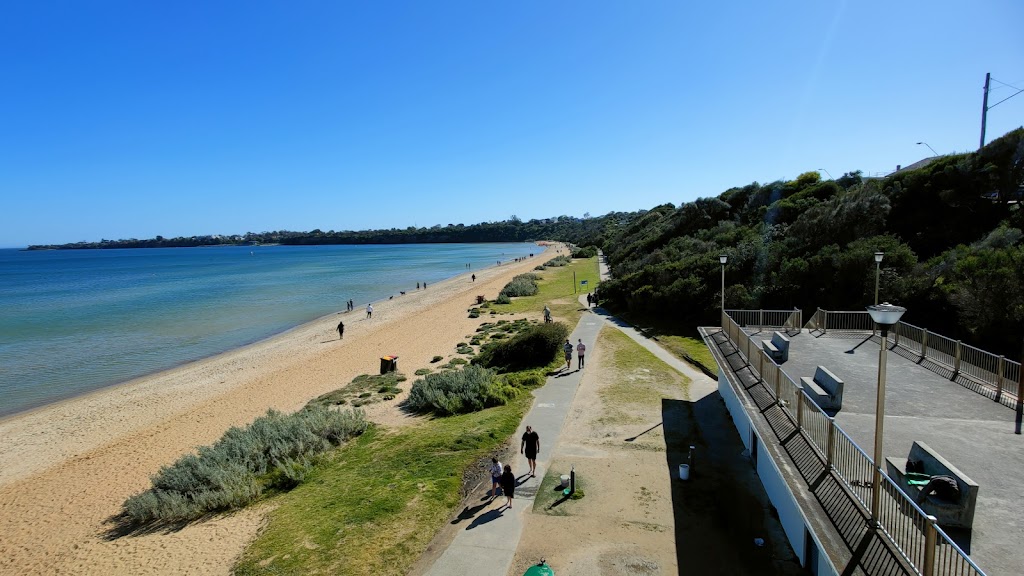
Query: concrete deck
(971, 431)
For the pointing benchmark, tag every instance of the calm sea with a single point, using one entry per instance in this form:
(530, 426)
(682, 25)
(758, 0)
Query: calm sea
(73, 321)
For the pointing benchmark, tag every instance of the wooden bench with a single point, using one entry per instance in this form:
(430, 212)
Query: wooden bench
(777, 347)
(952, 514)
(825, 389)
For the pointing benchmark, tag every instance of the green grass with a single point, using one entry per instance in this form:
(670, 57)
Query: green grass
(636, 365)
(556, 290)
(683, 342)
(373, 507)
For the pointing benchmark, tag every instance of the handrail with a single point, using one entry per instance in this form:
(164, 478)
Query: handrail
(912, 532)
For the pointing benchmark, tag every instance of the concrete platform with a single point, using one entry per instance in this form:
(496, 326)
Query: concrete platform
(976, 434)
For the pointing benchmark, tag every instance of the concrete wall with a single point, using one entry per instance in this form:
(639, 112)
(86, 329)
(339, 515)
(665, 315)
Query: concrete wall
(792, 518)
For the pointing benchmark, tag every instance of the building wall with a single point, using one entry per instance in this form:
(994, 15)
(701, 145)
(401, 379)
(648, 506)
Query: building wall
(790, 515)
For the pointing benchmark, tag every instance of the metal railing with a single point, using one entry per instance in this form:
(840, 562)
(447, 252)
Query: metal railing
(1001, 377)
(768, 319)
(916, 535)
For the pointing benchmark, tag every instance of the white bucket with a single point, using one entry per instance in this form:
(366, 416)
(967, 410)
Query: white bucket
(684, 471)
(565, 480)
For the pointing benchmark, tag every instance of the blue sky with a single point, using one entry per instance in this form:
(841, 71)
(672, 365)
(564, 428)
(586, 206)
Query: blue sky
(132, 119)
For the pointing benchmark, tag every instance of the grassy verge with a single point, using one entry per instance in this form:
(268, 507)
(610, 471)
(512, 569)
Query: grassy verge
(556, 290)
(373, 507)
(683, 342)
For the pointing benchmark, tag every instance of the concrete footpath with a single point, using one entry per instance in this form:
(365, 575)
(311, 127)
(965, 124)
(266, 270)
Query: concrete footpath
(488, 541)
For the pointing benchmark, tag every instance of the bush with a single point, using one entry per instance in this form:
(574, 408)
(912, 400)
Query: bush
(422, 372)
(534, 347)
(540, 267)
(460, 391)
(474, 312)
(272, 452)
(436, 359)
(559, 261)
(588, 252)
(521, 285)
(503, 299)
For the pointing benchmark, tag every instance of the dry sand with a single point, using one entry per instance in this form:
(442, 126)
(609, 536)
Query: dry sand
(65, 469)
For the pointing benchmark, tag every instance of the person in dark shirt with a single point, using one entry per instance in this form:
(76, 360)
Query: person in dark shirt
(508, 485)
(529, 447)
(341, 330)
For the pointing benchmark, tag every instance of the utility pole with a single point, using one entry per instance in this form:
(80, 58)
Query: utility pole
(984, 109)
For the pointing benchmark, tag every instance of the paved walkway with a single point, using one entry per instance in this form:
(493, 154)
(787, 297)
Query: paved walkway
(488, 542)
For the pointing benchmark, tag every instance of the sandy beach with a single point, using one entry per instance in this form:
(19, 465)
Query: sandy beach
(65, 469)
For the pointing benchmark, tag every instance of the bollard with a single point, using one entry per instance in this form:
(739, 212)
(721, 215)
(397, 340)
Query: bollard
(999, 378)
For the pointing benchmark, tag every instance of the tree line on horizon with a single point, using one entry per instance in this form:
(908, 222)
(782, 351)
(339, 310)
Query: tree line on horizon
(951, 232)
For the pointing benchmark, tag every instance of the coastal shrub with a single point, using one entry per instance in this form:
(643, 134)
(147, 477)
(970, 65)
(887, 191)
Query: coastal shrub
(459, 391)
(587, 252)
(474, 312)
(534, 347)
(422, 371)
(557, 261)
(274, 452)
(526, 380)
(521, 285)
(503, 299)
(436, 359)
(540, 267)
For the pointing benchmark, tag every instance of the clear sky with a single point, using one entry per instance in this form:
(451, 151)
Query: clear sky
(132, 119)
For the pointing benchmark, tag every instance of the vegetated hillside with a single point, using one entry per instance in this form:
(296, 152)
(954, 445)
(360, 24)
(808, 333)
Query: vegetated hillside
(951, 233)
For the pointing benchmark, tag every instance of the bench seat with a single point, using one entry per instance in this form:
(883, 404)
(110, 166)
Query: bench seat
(824, 388)
(777, 348)
(948, 514)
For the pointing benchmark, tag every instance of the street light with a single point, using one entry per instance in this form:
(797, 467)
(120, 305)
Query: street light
(723, 259)
(878, 271)
(826, 172)
(885, 316)
(929, 147)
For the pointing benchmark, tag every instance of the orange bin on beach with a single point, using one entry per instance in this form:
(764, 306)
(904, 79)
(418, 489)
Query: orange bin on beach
(388, 364)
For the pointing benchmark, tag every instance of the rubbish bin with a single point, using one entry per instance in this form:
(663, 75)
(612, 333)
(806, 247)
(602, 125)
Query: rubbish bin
(388, 364)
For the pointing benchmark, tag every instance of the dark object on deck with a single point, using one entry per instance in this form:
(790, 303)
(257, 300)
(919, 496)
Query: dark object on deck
(388, 364)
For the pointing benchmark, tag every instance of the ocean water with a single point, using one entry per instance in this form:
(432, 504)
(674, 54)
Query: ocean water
(73, 321)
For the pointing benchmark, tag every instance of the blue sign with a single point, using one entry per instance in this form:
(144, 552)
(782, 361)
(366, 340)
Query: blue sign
(583, 281)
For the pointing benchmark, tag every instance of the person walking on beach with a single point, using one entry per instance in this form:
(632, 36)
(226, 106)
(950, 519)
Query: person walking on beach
(581, 349)
(508, 485)
(496, 470)
(474, 277)
(341, 330)
(369, 310)
(529, 447)
(567, 348)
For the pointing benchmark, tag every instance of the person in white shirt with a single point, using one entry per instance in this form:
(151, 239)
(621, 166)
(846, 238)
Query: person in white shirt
(496, 470)
(369, 310)
(581, 349)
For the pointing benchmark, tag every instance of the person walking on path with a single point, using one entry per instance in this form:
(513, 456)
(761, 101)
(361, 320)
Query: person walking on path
(547, 314)
(508, 485)
(496, 470)
(590, 300)
(581, 349)
(369, 310)
(341, 330)
(567, 348)
(530, 446)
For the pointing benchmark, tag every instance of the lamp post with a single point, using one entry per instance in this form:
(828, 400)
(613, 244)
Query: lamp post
(723, 259)
(929, 147)
(885, 316)
(878, 271)
(826, 172)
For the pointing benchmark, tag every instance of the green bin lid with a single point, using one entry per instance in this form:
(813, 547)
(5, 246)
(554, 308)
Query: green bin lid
(539, 570)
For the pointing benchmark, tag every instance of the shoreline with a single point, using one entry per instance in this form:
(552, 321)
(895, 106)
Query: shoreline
(140, 379)
(66, 468)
